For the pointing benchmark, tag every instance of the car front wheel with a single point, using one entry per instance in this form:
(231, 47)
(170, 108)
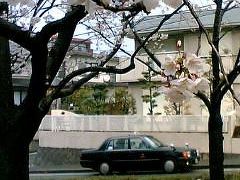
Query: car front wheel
(169, 166)
(104, 168)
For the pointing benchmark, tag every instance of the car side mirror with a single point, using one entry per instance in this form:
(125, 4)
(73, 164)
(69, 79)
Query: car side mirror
(172, 146)
(110, 148)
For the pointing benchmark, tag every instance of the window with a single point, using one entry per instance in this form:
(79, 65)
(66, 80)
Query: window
(117, 144)
(138, 143)
(82, 47)
(110, 146)
(120, 144)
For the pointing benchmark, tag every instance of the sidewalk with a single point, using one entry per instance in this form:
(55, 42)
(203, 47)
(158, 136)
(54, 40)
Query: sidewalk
(230, 161)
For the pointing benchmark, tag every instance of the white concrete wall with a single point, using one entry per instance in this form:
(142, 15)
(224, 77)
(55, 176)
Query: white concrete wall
(94, 139)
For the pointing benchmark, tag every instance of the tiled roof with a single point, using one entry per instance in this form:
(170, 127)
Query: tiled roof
(185, 21)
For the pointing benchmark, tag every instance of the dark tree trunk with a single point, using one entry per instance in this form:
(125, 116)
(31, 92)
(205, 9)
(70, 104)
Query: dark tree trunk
(14, 160)
(216, 155)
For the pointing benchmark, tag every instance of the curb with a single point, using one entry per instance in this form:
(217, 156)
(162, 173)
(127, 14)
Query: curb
(225, 166)
(61, 171)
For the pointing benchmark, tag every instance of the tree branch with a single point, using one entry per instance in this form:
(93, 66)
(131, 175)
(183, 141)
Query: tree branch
(224, 86)
(205, 99)
(15, 33)
(216, 58)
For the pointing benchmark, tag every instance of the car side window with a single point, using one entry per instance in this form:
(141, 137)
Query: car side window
(110, 146)
(120, 144)
(138, 143)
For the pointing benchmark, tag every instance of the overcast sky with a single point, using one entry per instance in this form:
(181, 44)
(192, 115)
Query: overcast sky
(129, 44)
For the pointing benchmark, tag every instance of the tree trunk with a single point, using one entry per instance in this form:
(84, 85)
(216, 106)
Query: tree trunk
(14, 161)
(216, 155)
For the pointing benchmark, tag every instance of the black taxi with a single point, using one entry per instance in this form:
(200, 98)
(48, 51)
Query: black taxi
(138, 152)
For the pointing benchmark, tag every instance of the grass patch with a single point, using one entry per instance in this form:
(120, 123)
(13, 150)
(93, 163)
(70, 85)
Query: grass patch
(190, 176)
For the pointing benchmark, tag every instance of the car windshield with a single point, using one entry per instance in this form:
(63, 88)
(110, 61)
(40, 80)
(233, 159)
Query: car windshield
(153, 141)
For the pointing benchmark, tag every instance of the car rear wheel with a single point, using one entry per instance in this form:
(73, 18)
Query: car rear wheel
(104, 168)
(169, 166)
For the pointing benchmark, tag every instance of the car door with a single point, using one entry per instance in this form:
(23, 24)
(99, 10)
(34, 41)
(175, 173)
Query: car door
(118, 153)
(143, 156)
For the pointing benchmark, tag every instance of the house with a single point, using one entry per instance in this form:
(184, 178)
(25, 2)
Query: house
(80, 55)
(183, 27)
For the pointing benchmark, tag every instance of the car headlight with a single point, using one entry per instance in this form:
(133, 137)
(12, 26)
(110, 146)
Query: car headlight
(186, 154)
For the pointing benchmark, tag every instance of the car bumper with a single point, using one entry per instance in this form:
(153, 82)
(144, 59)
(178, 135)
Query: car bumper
(88, 164)
(187, 162)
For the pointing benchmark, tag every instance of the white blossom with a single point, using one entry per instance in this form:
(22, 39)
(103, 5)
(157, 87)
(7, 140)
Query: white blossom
(193, 63)
(77, 2)
(30, 3)
(183, 83)
(163, 36)
(13, 2)
(91, 7)
(200, 84)
(177, 95)
(35, 20)
(150, 4)
(169, 66)
(106, 2)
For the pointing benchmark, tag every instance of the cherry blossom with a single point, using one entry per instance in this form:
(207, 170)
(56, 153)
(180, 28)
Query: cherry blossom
(91, 5)
(200, 84)
(176, 95)
(193, 63)
(169, 66)
(29, 3)
(106, 2)
(77, 2)
(183, 83)
(187, 76)
(35, 20)
(150, 5)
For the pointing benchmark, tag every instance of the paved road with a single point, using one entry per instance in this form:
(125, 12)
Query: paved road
(64, 172)
(68, 175)
(59, 176)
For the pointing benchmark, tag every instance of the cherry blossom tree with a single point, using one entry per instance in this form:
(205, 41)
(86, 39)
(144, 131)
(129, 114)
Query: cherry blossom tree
(20, 123)
(185, 79)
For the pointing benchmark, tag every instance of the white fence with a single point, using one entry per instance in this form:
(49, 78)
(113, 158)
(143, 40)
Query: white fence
(177, 123)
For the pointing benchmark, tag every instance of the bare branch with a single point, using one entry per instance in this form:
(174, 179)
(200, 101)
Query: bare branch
(166, 17)
(227, 7)
(151, 55)
(61, 92)
(16, 34)
(217, 24)
(204, 98)
(224, 86)
(199, 42)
